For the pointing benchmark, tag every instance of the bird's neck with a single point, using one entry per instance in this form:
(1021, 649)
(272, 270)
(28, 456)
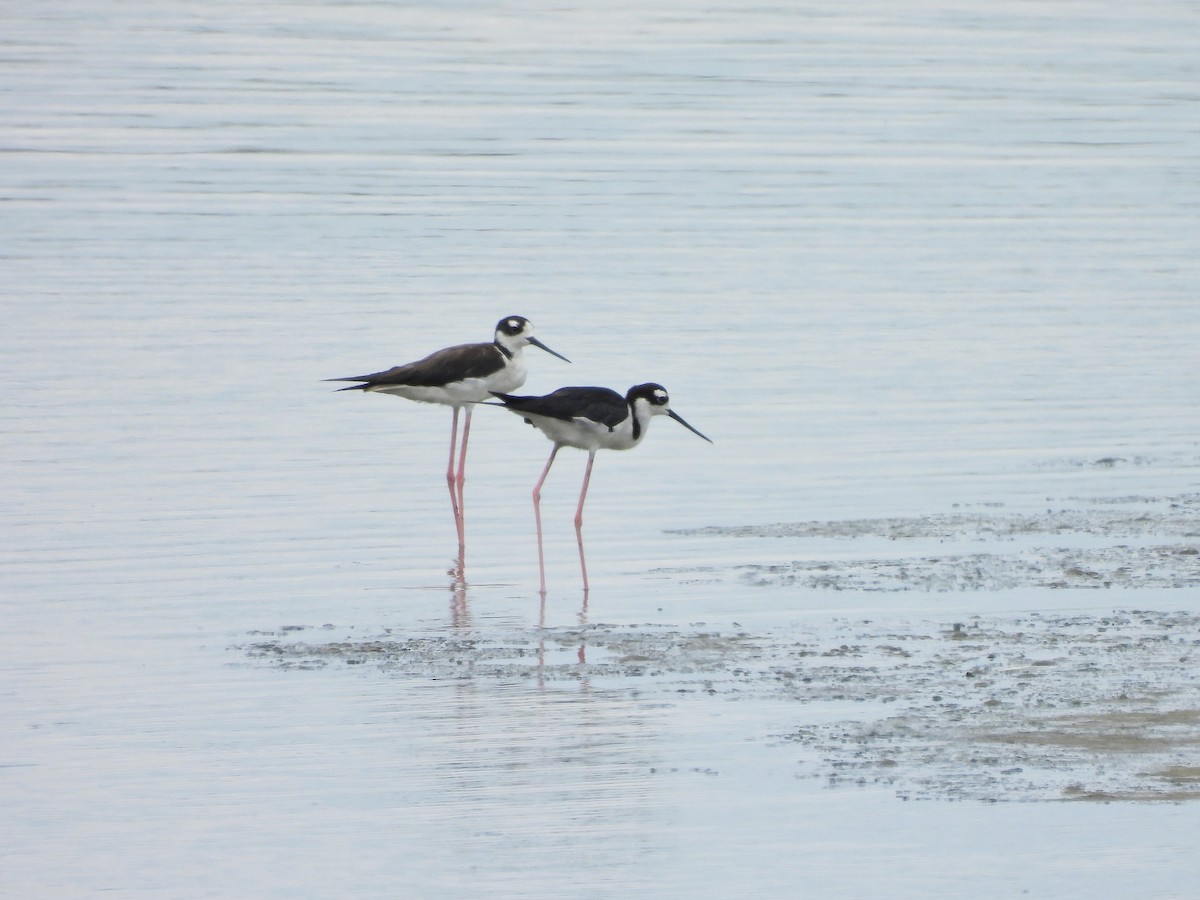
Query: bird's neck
(639, 418)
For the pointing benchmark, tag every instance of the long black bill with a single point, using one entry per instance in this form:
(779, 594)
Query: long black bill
(678, 418)
(542, 346)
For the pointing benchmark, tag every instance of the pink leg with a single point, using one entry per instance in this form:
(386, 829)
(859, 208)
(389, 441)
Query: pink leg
(462, 475)
(587, 476)
(455, 500)
(537, 515)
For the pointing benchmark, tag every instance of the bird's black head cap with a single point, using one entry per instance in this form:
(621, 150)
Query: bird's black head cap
(512, 325)
(654, 394)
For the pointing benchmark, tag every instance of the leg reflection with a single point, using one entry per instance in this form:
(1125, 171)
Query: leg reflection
(583, 620)
(580, 653)
(460, 613)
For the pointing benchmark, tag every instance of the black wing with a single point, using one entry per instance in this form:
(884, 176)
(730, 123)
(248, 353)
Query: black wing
(438, 368)
(598, 404)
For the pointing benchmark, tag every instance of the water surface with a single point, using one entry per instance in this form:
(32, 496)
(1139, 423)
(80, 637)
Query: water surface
(900, 262)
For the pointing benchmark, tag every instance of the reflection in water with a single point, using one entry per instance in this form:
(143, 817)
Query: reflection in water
(581, 654)
(460, 610)
(533, 772)
(460, 613)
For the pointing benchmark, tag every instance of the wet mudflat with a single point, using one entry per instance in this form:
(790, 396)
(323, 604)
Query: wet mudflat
(1034, 708)
(1037, 706)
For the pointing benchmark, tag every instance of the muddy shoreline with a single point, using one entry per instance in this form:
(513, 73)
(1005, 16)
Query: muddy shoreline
(1028, 707)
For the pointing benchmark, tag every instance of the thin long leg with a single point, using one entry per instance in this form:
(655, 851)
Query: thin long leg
(587, 476)
(461, 478)
(537, 515)
(455, 502)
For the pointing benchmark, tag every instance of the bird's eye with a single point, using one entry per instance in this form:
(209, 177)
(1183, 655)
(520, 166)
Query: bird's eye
(660, 397)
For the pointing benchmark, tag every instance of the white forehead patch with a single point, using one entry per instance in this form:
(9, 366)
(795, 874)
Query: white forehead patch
(514, 324)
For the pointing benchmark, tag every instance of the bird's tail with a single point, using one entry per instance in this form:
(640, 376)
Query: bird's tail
(505, 399)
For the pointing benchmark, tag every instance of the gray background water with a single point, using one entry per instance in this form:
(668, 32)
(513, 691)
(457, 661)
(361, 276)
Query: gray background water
(890, 256)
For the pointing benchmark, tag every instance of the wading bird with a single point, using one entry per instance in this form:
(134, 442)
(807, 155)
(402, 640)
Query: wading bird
(591, 419)
(460, 377)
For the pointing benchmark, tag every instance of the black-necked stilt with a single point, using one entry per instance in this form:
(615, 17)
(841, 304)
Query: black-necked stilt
(460, 377)
(590, 418)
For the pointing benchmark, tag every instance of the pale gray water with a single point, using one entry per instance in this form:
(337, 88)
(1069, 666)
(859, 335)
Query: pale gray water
(903, 262)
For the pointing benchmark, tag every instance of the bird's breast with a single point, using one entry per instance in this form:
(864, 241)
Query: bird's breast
(585, 434)
(509, 378)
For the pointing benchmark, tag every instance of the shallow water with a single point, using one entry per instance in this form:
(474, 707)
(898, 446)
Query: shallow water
(925, 274)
